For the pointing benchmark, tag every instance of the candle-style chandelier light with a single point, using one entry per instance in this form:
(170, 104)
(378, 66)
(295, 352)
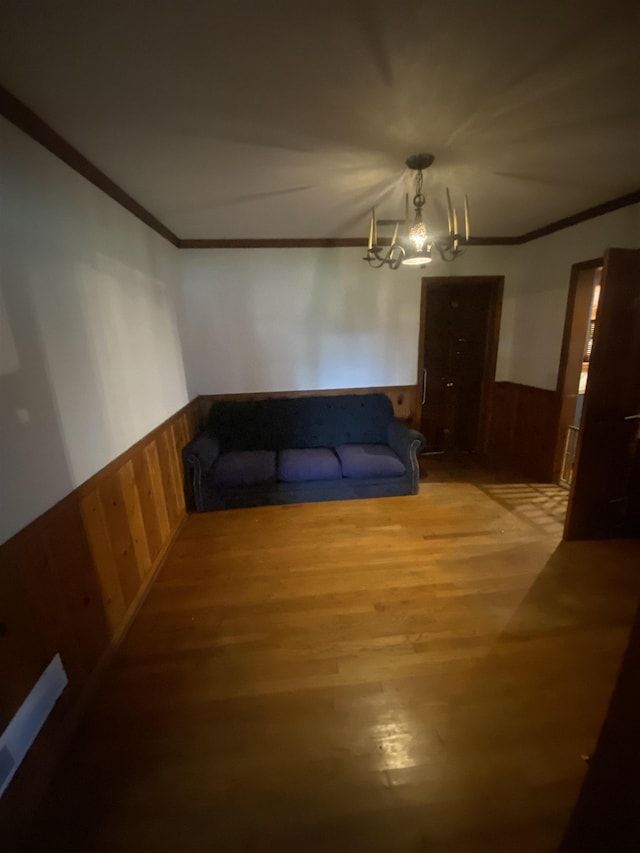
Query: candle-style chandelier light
(413, 247)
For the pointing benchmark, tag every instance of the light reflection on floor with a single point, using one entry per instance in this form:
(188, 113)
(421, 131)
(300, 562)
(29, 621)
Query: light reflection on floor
(542, 504)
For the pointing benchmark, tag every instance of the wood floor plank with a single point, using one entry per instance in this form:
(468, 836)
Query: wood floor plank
(390, 675)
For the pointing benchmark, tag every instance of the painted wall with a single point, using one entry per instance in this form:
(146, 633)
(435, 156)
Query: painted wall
(304, 319)
(539, 286)
(90, 357)
(297, 319)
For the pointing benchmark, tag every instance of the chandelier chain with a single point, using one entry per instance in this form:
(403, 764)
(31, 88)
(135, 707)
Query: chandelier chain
(419, 199)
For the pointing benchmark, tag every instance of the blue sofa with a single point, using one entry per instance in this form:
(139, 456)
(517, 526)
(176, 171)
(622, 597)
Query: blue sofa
(285, 450)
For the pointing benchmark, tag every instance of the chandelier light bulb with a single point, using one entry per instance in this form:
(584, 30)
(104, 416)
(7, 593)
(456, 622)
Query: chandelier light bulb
(418, 234)
(417, 259)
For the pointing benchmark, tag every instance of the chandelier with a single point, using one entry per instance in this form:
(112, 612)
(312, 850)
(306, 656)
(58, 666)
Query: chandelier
(414, 246)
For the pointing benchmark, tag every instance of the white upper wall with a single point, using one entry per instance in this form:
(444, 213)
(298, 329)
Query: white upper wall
(539, 286)
(306, 319)
(302, 319)
(90, 357)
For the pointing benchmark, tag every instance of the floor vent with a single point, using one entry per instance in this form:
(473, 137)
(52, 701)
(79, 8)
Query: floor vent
(7, 765)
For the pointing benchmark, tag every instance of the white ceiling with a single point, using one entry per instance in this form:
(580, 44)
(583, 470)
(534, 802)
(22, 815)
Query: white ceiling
(291, 119)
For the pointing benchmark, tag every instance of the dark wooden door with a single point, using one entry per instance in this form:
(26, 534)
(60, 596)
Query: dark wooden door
(604, 494)
(460, 340)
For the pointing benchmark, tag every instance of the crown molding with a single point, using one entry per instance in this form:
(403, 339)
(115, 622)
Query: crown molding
(493, 241)
(582, 216)
(320, 243)
(26, 120)
(293, 243)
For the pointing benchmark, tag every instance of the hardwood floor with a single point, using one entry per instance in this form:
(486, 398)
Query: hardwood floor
(402, 674)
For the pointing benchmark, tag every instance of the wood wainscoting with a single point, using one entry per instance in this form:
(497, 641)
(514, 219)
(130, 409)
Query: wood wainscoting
(403, 398)
(71, 582)
(522, 431)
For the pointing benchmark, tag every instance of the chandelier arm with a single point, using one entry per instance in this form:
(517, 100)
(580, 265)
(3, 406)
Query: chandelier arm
(375, 261)
(447, 251)
(395, 256)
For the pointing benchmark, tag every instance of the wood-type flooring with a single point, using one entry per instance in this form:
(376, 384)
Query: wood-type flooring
(383, 676)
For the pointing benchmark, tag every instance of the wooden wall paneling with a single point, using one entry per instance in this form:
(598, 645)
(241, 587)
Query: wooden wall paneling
(179, 430)
(195, 418)
(491, 361)
(95, 525)
(47, 622)
(23, 651)
(48, 606)
(71, 581)
(534, 434)
(522, 429)
(182, 433)
(120, 537)
(152, 501)
(170, 483)
(501, 421)
(169, 474)
(178, 440)
(78, 580)
(205, 401)
(404, 402)
(155, 472)
(133, 510)
(189, 420)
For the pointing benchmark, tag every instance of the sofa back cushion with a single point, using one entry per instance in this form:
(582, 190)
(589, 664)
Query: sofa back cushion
(281, 423)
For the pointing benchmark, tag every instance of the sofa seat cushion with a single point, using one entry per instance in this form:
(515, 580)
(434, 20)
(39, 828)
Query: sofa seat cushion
(362, 461)
(245, 468)
(315, 463)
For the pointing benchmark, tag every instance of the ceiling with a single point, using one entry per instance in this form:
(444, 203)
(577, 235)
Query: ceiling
(291, 120)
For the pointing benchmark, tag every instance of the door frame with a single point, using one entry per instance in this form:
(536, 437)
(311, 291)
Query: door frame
(604, 408)
(491, 346)
(576, 317)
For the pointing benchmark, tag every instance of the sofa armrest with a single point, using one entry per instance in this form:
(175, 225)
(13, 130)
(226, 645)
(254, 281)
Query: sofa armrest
(198, 458)
(407, 443)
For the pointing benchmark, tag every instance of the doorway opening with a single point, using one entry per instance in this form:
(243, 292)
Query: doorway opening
(604, 499)
(457, 352)
(580, 320)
